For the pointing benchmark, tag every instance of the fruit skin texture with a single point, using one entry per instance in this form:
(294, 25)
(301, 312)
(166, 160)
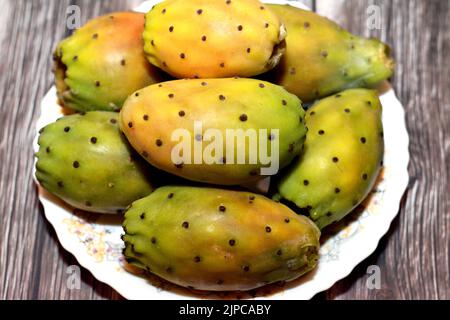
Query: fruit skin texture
(321, 58)
(86, 161)
(213, 38)
(102, 63)
(150, 116)
(214, 239)
(342, 157)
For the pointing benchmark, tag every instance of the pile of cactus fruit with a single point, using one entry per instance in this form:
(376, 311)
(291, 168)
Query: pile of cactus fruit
(301, 90)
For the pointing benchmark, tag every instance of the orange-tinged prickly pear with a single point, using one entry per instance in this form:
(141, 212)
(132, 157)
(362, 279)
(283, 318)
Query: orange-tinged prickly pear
(103, 62)
(229, 131)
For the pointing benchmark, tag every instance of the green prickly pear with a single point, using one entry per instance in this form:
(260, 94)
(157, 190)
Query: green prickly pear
(102, 63)
(253, 110)
(214, 239)
(342, 156)
(85, 160)
(321, 58)
(213, 38)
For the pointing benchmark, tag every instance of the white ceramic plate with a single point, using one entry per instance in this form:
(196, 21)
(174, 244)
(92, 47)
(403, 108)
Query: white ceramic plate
(95, 239)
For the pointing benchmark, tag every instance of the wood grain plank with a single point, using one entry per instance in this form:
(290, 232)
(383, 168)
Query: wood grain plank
(23, 73)
(413, 256)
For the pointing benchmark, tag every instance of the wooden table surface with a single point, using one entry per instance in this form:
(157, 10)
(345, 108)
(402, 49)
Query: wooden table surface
(413, 256)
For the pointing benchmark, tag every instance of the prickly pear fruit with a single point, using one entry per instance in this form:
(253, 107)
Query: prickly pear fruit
(342, 156)
(102, 63)
(322, 58)
(153, 117)
(86, 161)
(214, 239)
(213, 38)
